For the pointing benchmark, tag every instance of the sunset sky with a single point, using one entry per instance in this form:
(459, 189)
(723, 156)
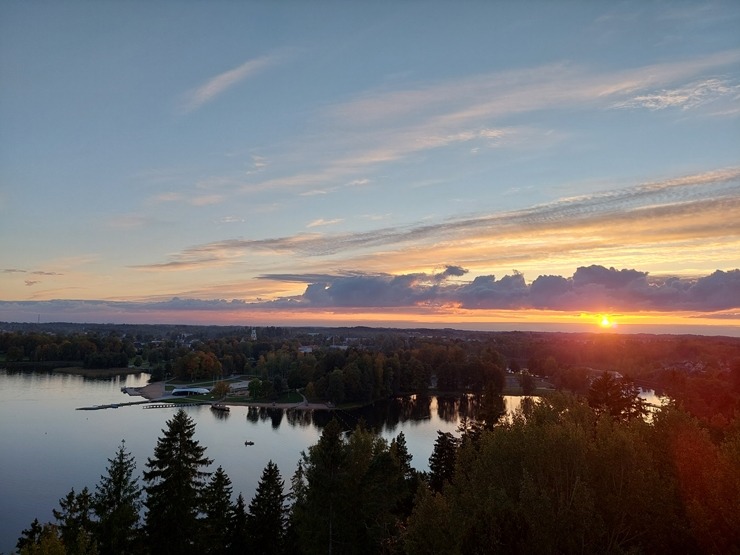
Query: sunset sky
(490, 165)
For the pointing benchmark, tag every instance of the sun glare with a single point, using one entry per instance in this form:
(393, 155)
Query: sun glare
(606, 321)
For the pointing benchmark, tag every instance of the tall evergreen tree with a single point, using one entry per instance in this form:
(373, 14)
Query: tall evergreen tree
(267, 517)
(174, 486)
(297, 499)
(116, 504)
(218, 513)
(442, 460)
(238, 542)
(325, 469)
(74, 518)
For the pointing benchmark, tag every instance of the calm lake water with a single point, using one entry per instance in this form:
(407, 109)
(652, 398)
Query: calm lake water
(48, 447)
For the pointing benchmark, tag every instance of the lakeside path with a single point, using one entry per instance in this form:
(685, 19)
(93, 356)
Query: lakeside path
(156, 392)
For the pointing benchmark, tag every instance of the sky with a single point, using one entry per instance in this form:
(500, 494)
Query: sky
(481, 165)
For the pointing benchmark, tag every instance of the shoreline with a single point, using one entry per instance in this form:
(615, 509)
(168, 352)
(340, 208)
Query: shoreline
(156, 392)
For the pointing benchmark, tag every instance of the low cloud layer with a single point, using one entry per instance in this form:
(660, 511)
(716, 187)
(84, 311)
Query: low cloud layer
(590, 288)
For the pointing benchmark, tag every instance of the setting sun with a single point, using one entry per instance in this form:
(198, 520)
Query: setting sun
(606, 321)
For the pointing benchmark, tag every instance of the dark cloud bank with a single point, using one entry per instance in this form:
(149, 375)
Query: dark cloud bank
(591, 288)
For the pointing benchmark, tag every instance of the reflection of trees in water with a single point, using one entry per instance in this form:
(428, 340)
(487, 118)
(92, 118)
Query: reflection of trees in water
(221, 414)
(381, 415)
(300, 418)
(413, 407)
(276, 415)
(448, 408)
(253, 414)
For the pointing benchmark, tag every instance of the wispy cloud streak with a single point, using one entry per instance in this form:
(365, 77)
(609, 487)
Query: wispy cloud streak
(220, 83)
(687, 207)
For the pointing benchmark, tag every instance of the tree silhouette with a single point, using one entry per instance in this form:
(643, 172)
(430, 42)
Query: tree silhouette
(116, 504)
(267, 517)
(175, 484)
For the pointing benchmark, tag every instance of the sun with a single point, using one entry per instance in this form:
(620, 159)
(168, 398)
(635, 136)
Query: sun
(606, 321)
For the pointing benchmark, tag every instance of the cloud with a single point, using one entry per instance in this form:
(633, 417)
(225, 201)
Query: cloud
(220, 83)
(322, 222)
(31, 282)
(683, 210)
(590, 288)
(687, 97)
(382, 126)
(13, 271)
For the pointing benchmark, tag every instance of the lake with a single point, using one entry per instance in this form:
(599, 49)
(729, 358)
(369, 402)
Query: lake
(48, 447)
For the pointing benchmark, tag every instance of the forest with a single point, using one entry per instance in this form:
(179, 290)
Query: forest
(584, 468)
(565, 474)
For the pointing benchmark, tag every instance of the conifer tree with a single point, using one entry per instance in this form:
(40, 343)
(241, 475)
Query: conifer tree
(442, 460)
(116, 504)
(325, 470)
(238, 541)
(267, 517)
(218, 513)
(174, 486)
(74, 518)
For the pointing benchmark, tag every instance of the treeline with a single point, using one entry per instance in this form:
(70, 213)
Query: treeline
(566, 474)
(700, 372)
(89, 350)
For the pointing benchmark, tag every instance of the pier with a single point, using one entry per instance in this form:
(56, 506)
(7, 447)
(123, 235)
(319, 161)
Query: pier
(171, 405)
(113, 405)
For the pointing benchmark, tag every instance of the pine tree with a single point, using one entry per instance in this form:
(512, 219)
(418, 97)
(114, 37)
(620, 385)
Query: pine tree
(267, 517)
(175, 483)
(218, 512)
(116, 504)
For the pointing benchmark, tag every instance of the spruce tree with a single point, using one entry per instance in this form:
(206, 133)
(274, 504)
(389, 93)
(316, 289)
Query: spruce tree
(174, 486)
(238, 542)
(267, 517)
(116, 504)
(218, 513)
(442, 460)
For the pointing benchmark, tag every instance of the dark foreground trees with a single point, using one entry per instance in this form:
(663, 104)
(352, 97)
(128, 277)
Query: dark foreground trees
(560, 476)
(268, 513)
(116, 504)
(175, 482)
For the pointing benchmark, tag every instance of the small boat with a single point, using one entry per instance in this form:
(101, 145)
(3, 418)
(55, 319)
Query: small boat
(219, 406)
(249, 442)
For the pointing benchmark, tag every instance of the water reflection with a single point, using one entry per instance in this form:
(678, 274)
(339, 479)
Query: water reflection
(221, 414)
(380, 416)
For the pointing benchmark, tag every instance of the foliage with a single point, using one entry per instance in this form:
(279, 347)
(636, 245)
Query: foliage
(348, 498)
(617, 397)
(442, 461)
(219, 513)
(175, 484)
(74, 519)
(116, 504)
(267, 516)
